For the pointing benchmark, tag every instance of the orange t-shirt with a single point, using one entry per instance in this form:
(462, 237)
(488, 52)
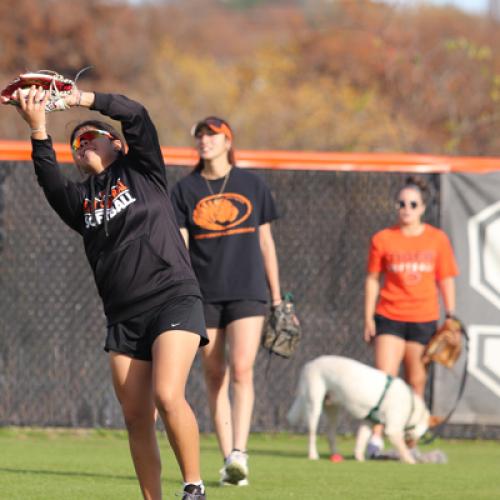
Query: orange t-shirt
(411, 266)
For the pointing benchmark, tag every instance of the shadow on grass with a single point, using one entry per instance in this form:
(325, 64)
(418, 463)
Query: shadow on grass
(255, 451)
(271, 453)
(65, 473)
(291, 454)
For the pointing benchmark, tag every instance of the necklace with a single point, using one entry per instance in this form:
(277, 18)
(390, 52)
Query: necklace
(226, 178)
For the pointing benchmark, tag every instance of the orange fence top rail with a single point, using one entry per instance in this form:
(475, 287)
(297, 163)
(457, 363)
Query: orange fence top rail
(299, 160)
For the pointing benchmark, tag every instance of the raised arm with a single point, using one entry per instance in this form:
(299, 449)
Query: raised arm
(63, 195)
(139, 131)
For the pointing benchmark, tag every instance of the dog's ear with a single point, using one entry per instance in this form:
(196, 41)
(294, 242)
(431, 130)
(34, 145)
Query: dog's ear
(434, 421)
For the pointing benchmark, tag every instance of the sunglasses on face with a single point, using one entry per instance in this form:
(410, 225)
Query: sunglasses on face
(402, 204)
(88, 136)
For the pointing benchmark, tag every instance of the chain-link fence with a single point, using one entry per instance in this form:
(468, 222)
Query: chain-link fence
(53, 370)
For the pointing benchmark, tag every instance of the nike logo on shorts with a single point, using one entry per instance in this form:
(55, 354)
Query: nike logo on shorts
(173, 325)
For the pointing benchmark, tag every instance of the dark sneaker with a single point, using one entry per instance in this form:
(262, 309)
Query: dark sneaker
(193, 492)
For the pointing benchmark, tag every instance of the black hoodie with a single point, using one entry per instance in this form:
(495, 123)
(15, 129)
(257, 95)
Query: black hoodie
(138, 256)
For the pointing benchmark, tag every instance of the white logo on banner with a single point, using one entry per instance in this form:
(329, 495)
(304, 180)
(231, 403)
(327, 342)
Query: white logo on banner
(484, 353)
(484, 251)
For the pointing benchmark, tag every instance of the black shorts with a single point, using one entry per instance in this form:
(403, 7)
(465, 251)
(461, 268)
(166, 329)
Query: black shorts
(135, 336)
(407, 330)
(220, 314)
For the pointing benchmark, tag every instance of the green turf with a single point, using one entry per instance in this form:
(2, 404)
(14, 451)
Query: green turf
(49, 464)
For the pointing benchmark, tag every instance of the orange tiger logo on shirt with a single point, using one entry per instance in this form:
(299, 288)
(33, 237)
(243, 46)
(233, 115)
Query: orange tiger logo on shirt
(222, 213)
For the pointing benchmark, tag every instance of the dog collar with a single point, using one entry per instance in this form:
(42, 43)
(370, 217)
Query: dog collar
(373, 414)
(412, 409)
(412, 397)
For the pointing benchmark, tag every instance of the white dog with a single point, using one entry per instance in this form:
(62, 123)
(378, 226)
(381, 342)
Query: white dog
(331, 382)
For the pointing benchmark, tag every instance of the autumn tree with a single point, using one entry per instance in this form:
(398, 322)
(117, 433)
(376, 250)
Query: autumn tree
(343, 75)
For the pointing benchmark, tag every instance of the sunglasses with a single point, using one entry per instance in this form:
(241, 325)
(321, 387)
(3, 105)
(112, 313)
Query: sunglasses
(88, 136)
(411, 204)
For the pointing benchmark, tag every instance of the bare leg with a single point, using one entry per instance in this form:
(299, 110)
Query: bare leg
(173, 355)
(389, 352)
(216, 374)
(415, 373)
(132, 383)
(244, 339)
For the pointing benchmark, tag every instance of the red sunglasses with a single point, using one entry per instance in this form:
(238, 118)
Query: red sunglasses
(88, 136)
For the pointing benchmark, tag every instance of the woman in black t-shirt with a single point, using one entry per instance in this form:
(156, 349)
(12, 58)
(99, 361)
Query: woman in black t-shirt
(225, 215)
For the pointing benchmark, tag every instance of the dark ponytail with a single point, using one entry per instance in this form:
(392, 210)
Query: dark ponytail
(418, 184)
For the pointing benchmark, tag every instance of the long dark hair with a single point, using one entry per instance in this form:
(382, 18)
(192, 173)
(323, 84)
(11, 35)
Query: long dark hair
(230, 158)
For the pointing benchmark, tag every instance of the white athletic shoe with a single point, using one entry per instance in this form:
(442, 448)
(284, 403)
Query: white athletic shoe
(375, 447)
(416, 454)
(235, 470)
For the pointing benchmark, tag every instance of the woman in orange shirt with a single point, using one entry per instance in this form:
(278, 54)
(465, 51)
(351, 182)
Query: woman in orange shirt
(417, 262)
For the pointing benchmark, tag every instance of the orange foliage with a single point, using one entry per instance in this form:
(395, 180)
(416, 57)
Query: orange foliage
(304, 74)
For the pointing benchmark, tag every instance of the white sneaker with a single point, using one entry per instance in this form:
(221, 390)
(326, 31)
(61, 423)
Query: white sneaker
(375, 447)
(235, 470)
(224, 480)
(416, 454)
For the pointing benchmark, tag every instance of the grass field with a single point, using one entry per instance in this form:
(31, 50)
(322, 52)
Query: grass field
(50, 464)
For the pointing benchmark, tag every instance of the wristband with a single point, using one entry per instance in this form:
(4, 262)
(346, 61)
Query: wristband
(39, 129)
